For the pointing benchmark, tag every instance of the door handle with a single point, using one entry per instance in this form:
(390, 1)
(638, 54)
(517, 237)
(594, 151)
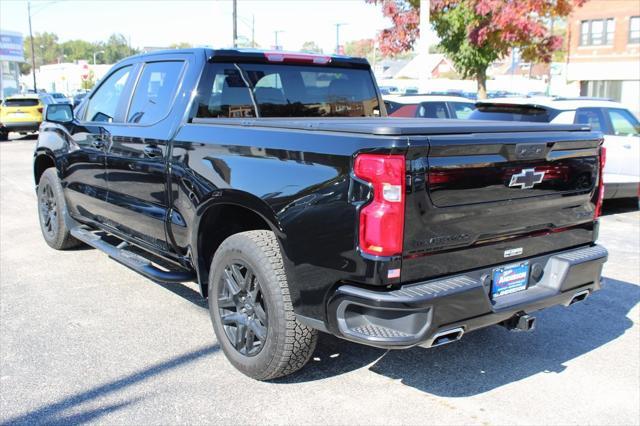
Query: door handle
(98, 143)
(152, 151)
(628, 146)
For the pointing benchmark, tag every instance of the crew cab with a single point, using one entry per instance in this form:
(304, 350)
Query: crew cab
(620, 127)
(278, 184)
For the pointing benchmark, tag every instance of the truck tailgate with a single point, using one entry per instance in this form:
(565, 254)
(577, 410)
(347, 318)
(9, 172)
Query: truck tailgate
(483, 199)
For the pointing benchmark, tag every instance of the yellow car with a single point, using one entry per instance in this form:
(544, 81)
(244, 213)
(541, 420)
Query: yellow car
(20, 113)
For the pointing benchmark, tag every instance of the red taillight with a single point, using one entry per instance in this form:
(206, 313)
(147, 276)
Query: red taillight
(599, 200)
(40, 110)
(301, 58)
(382, 220)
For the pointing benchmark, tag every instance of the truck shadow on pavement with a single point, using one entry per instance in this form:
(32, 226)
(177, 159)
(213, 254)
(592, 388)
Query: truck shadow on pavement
(618, 206)
(488, 358)
(66, 411)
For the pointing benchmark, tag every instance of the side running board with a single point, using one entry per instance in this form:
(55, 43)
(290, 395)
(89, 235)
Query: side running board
(130, 259)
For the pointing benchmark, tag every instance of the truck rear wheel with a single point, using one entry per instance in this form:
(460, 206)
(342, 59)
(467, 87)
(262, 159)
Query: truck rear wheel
(51, 210)
(251, 308)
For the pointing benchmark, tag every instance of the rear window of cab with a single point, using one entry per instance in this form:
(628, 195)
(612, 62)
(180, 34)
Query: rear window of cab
(264, 90)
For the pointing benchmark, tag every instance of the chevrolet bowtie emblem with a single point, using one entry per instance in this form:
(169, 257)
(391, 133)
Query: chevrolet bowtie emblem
(526, 178)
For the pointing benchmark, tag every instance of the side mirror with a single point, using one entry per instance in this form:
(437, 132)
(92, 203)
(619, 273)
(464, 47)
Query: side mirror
(59, 113)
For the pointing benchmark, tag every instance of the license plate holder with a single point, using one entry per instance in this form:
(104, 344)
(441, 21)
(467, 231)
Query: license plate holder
(510, 279)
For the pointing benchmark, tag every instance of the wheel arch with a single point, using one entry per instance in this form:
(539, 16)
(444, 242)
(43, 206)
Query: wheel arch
(222, 216)
(43, 159)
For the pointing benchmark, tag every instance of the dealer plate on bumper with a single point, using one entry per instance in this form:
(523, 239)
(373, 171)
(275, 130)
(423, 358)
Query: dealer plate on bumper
(510, 279)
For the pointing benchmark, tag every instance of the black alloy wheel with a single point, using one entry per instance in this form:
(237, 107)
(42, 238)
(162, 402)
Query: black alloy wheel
(251, 309)
(48, 211)
(52, 211)
(242, 308)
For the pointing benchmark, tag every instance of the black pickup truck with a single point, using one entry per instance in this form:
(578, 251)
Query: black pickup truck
(277, 183)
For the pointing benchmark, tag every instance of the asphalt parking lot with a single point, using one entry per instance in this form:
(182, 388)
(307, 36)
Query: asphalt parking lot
(83, 339)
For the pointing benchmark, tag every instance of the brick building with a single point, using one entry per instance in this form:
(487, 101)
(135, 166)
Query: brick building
(604, 50)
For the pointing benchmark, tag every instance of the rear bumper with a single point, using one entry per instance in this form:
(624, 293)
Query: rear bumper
(20, 126)
(417, 314)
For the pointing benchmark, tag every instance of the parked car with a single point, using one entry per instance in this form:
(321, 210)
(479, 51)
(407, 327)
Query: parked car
(620, 127)
(238, 170)
(428, 106)
(60, 98)
(389, 90)
(502, 94)
(78, 97)
(20, 113)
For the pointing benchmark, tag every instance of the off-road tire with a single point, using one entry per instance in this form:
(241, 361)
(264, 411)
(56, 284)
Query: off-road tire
(52, 223)
(288, 344)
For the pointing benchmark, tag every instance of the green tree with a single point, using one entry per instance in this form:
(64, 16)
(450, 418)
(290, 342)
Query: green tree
(75, 50)
(360, 48)
(244, 42)
(46, 49)
(475, 33)
(180, 45)
(115, 49)
(89, 82)
(311, 47)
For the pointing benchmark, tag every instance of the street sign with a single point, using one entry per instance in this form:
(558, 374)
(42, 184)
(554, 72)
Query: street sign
(11, 48)
(84, 75)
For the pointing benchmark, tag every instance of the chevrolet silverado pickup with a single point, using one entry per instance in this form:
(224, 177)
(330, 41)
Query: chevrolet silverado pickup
(276, 182)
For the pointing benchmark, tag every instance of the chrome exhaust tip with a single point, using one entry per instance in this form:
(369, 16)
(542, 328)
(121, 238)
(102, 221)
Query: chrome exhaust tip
(580, 296)
(446, 336)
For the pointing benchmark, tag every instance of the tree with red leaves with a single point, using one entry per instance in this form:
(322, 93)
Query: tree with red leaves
(475, 33)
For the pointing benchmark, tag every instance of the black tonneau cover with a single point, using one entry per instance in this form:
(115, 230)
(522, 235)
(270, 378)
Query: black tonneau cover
(391, 126)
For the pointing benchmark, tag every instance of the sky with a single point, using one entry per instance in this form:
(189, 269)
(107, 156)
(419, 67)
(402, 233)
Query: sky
(160, 23)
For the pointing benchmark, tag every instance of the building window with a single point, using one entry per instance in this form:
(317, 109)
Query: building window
(608, 89)
(597, 32)
(634, 29)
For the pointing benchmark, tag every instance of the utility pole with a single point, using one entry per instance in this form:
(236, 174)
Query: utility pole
(33, 52)
(276, 34)
(235, 23)
(253, 31)
(338, 37)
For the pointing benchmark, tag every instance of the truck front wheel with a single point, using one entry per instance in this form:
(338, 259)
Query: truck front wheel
(251, 308)
(51, 209)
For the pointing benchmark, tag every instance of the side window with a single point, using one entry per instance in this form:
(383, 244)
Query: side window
(462, 110)
(154, 92)
(623, 123)
(591, 116)
(433, 110)
(103, 104)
